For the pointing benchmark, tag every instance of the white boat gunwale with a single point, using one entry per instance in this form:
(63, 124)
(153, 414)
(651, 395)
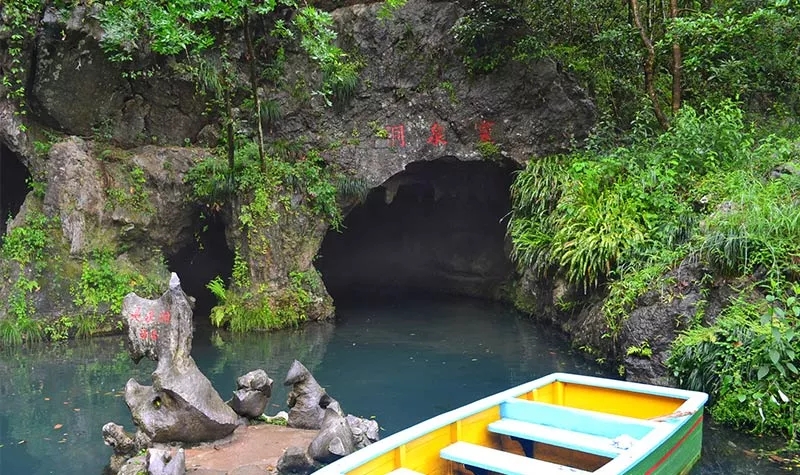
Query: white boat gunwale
(694, 401)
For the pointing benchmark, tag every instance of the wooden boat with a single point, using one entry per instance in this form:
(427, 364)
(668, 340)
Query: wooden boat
(559, 424)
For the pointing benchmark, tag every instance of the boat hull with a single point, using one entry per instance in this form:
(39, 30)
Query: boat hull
(560, 423)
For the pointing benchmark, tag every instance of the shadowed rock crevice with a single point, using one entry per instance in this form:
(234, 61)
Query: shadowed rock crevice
(13, 185)
(200, 261)
(436, 227)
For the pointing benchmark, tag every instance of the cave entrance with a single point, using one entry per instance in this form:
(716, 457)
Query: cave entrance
(198, 263)
(14, 178)
(437, 227)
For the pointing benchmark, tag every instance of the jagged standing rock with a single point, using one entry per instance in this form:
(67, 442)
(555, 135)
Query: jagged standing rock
(182, 405)
(334, 440)
(307, 400)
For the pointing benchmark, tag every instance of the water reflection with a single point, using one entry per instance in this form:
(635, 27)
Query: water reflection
(402, 361)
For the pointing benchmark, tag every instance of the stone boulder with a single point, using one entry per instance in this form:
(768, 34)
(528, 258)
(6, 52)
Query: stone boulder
(123, 444)
(365, 431)
(181, 405)
(307, 400)
(295, 461)
(252, 394)
(334, 440)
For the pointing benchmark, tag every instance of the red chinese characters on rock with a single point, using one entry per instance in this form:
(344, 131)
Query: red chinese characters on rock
(437, 135)
(397, 135)
(145, 333)
(485, 131)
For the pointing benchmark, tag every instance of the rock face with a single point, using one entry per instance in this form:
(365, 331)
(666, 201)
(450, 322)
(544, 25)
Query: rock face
(414, 102)
(134, 197)
(156, 108)
(182, 405)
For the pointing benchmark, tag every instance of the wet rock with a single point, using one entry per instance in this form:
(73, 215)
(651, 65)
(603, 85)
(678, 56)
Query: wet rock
(181, 405)
(365, 431)
(307, 400)
(295, 461)
(252, 395)
(334, 440)
(166, 461)
(123, 444)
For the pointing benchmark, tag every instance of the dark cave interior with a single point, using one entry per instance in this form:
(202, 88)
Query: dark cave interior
(198, 263)
(14, 176)
(436, 227)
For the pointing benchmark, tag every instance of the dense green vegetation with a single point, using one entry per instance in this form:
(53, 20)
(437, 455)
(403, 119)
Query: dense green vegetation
(296, 182)
(695, 159)
(642, 60)
(35, 256)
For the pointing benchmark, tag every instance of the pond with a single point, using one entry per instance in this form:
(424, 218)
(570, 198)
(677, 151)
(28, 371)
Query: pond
(401, 361)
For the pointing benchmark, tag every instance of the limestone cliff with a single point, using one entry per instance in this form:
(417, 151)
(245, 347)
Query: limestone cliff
(122, 138)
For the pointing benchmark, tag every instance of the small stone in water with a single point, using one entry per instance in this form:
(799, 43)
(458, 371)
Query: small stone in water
(58, 426)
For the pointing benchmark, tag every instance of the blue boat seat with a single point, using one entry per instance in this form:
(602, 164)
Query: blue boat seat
(580, 421)
(593, 444)
(503, 462)
(403, 471)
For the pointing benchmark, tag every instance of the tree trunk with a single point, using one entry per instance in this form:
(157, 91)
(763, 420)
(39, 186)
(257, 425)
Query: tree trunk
(649, 65)
(229, 136)
(251, 61)
(677, 62)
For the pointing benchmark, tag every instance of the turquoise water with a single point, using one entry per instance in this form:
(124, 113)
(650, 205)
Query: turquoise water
(402, 361)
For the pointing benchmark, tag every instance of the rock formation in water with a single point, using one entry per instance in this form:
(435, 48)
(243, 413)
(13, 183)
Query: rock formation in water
(181, 405)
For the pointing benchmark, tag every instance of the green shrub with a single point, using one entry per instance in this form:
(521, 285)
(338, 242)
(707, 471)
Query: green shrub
(748, 361)
(242, 310)
(26, 244)
(104, 283)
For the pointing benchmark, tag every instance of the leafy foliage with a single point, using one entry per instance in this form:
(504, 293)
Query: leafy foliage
(25, 245)
(749, 359)
(290, 171)
(728, 49)
(625, 216)
(104, 282)
(244, 310)
(17, 25)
